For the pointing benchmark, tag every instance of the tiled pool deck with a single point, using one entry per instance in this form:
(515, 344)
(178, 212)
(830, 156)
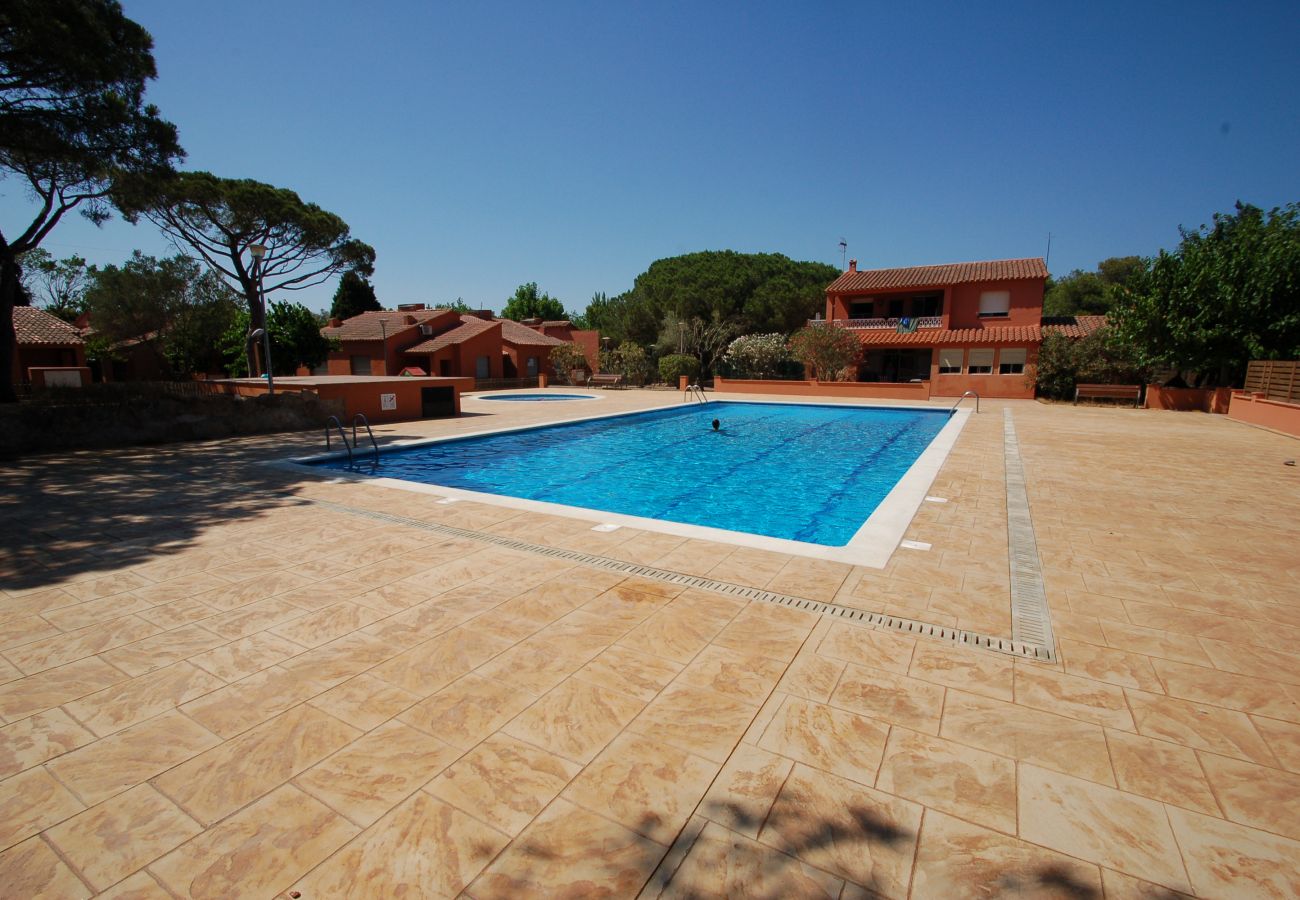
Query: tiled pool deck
(214, 685)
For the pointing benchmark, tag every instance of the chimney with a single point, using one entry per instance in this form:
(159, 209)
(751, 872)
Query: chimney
(336, 322)
(853, 265)
(410, 307)
(408, 320)
(484, 314)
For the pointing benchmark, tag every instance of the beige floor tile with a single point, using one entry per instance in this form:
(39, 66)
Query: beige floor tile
(322, 594)
(234, 596)
(743, 676)
(827, 738)
(671, 636)
(131, 702)
(430, 666)
(629, 672)
(114, 839)
(1240, 692)
(30, 802)
(182, 588)
(17, 631)
(163, 649)
(326, 624)
(575, 720)
(257, 616)
(216, 783)
(1199, 726)
(849, 830)
(811, 676)
(177, 613)
(244, 657)
(771, 631)
(1102, 825)
(1068, 695)
(504, 782)
(467, 710)
(958, 859)
(65, 648)
(94, 588)
(1112, 666)
(647, 786)
(566, 852)
(1118, 886)
(979, 673)
(32, 869)
(696, 720)
(1160, 770)
(1283, 738)
(1028, 735)
(745, 789)
(258, 852)
(896, 699)
(1153, 642)
(134, 755)
(867, 647)
(973, 784)
(722, 864)
(1254, 795)
(334, 663)
(364, 702)
(95, 612)
(235, 708)
(1229, 860)
(36, 739)
(374, 773)
(140, 886)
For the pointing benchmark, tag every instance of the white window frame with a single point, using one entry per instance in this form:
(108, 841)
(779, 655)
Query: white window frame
(950, 369)
(1018, 363)
(995, 304)
(979, 368)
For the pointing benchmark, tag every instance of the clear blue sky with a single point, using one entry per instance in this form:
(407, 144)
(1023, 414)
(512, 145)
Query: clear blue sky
(479, 146)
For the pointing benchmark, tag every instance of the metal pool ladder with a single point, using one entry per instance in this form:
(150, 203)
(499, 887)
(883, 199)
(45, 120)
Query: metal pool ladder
(334, 421)
(696, 393)
(963, 397)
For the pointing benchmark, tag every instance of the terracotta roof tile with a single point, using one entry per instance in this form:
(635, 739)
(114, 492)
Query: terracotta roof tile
(470, 326)
(933, 337)
(36, 326)
(1073, 326)
(939, 276)
(522, 335)
(378, 324)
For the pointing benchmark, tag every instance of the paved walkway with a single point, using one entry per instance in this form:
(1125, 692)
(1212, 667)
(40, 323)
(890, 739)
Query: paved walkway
(214, 685)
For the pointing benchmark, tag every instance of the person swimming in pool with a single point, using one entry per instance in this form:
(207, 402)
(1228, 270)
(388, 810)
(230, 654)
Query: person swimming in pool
(717, 426)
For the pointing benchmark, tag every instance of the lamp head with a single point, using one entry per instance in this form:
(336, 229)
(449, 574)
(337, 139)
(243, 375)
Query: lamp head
(257, 250)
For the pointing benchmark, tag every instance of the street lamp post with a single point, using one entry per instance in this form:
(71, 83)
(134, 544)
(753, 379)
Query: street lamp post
(258, 252)
(681, 338)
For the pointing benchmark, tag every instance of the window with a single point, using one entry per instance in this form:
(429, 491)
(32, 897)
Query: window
(896, 308)
(482, 367)
(980, 362)
(995, 303)
(950, 361)
(361, 365)
(862, 309)
(927, 305)
(532, 367)
(1011, 360)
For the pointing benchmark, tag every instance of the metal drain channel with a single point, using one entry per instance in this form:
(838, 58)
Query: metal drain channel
(1031, 618)
(955, 636)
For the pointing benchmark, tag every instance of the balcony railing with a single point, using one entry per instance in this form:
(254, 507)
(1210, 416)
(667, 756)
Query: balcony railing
(890, 324)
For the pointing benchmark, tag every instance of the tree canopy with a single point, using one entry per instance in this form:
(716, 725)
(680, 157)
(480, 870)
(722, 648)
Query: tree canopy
(752, 291)
(58, 284)
(1083, 293)
(73, 123)
(529, 303)
(295, 337)
(830, 352)
(222, 219)
(354, 295)
(1230, 293)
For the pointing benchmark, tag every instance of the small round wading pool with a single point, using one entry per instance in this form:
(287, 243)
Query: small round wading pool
(537, 397)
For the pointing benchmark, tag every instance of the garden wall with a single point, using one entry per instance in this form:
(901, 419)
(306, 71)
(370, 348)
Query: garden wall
(1256, 409)
(870, 390)
(1210, 400)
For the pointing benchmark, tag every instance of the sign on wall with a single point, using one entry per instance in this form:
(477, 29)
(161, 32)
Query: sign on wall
(387, 401)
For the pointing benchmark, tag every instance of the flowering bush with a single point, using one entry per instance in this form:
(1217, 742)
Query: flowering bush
(831, 352)
(757, 355)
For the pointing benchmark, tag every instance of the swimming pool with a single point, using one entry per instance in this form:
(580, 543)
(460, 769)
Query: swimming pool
(800, 473)
(535, 397)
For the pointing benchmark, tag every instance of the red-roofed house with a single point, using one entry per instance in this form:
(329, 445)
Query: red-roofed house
(563, 330)
(966, 326)
(43, 342)
(374, 343)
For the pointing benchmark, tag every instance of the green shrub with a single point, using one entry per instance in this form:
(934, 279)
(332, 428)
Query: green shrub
(831, 352)
(1099, 358)
(567, 357)
(672, 367)
(757, 355)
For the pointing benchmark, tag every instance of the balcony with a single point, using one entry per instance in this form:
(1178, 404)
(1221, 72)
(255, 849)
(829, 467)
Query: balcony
(881, 324)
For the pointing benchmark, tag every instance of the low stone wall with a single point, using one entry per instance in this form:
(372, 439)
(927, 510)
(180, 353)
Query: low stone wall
(867, 390)
(1209, 400)
(82, 418)
(1256, 409)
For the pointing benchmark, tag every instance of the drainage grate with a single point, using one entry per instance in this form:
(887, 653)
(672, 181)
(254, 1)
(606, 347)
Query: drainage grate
(907, 626)
(1031, 618)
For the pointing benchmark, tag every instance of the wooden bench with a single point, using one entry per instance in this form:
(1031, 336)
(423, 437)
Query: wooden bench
(604, 379)
(1109, 391)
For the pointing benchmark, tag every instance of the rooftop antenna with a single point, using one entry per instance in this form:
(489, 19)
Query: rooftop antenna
(844, 249)
(1047, 260)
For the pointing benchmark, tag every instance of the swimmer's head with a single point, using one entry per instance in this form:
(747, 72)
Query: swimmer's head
(716, 425)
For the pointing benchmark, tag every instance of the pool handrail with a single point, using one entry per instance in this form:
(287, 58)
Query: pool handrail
(963, 397)
(334, 420)
(365, 422)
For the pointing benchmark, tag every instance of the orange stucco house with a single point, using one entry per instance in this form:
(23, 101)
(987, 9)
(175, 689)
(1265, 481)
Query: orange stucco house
(438, 342)
(963, 326)
(47, 349)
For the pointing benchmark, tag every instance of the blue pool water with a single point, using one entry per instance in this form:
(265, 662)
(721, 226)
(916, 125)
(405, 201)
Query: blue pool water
(537, 397)
(795, 471)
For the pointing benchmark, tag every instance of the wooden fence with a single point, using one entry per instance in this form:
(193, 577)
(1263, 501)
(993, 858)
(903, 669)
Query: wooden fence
(1275, 379)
